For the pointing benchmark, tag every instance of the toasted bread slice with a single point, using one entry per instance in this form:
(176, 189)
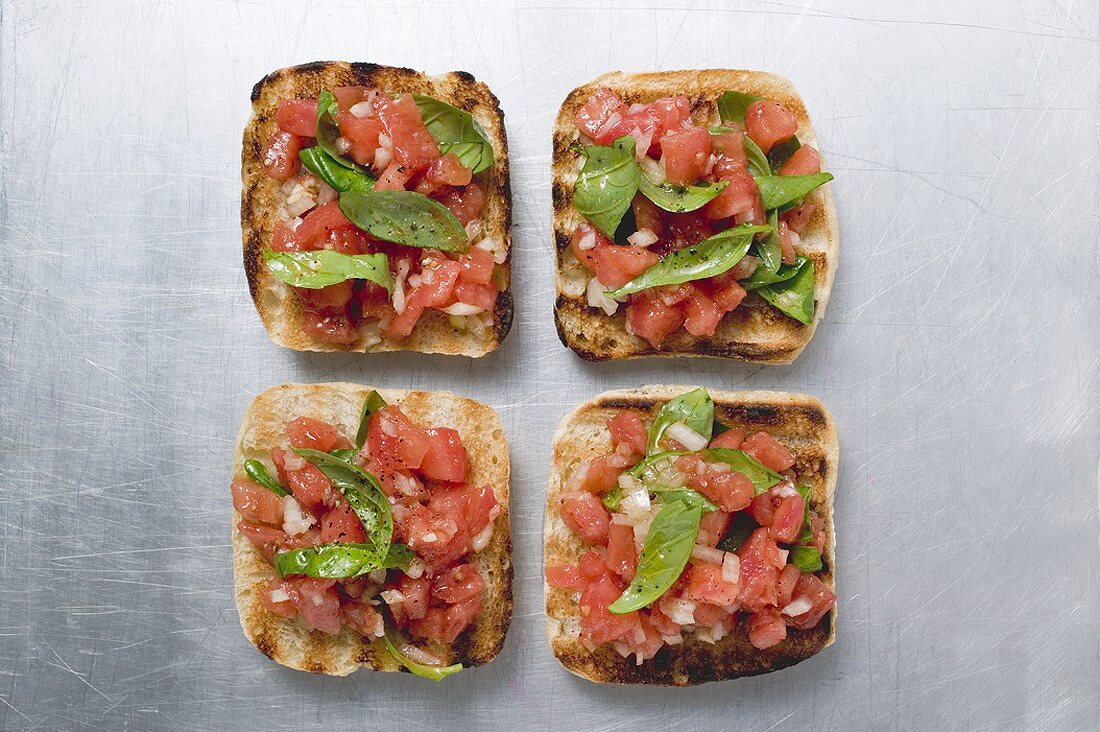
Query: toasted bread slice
(262, 198)
(755, 331)
(801, 423)
(287, 641)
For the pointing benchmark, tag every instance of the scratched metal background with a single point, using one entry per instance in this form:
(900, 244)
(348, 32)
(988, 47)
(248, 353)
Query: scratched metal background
(960, 357)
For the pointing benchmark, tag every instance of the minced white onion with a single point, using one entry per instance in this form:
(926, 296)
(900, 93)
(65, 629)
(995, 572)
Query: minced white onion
(279, 595)
(372, 334)
(290, 185)
(293, 461)
(429, 537)
(298, 203)
(636, 505)
(578, 476)
(642, 238)
(643, 141)
(384, 140)
(654, 170)
(613, 120)
(419, 655)
(362, 109)
(392, 597)
(598, 298)
(719, 631)
(405, 483)
(679, 611)
(495, 247)
(786, 490)
(295, 522)
(326, 193)
(621, 648)
(719, 468)
(641, 531)
(484, 536)
(707, 554)
(462, 308)
(399, 286)
(686, 436)
(343, 145)
(673, 640)
(388, 428)
(797, 607)
(783, 556)
(587, 240)
(416, 568)
(635, 108)
(731, 568)
(383, 156)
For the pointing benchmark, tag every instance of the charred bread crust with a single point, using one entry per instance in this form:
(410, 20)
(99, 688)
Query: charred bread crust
(755, 331)
(288, 641)
(802, 424)
(279, 309)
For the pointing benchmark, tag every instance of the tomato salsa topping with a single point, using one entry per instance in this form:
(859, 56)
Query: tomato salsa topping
(380, 216)
(376, 536)
(692, 527)
(684, 219)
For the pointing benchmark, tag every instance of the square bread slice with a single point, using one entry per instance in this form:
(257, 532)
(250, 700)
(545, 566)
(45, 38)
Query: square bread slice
(263, 197)
(801, 423)
(755, 331)
(289, 642)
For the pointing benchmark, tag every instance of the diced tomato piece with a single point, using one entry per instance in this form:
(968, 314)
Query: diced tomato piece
(804, 161)
(402, 324)
(754, 216)
(701, 314)
(622, 556)
(585, 232)
(413, 146)
(437, 283)
(759, 574)
(282, 608)
(363, 618)
(362, 134)
(348, 96)
(817, 524)
(465, 203)
(739, 196)
(477, 266)
(712, 527)
(768, 122)
(616, 265)
(265, 538)
(799, 218)
(763, 508)
(329, 328)
(730, 149)
(445, 625)
(707, 613)
(766, 628)
(430, 533)
(319, 224)
(282, 238)
(446, 456)
(661, 622)
(255, 502)
(732, 491)
(331, 299)
(595, 114)
(341, 524)
(821, 598)
(586, 516)
(480, 508)
(725, 291)
(416, 591)
(394, 442)
(592, 565)
(393, 178)
(482, 296)
(649, 318)
(319, 605)
(787, 518)
(314, 434)
(458, 584)
(788, 578)
(281, 157)
(768, 451)
(684, 154)
(310, 487)
(730, 439)
(447, 170)
(704, 583)
(786, 244)
(689, 228)
(351, 241)
(597, 622)
(566, 576)
(298, 117)
(627, 428)
(597, 475)
(648, 216)
(651, 121)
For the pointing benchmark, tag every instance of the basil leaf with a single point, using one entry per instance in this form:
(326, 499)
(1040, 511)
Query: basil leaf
(768, 250)
(779, 190)
(678, 199)
(709, 258)
(781, 152)
(346, 454)
(757, 161)
(741, 526)
(371, 404)
(807, 534)
(795, 296)
(334, 173)
(806, 558)
(362, 491)
(643, 470)
(761, 276)
(607, 184)
(694, 408)
(405, 217)
(457, 132)
(665, 553)
(424, 671)
(324, 267)
(328, 131)
(718, 429)
(258, 473)
(732, 106)
(687, 495)
(612, 499)
(340, 561)
(762, 477)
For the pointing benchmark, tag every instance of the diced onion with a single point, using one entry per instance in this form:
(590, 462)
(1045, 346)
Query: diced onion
(797, 607)
(326, 193)
(643, 141)
(786, 490)
(731, 568)
(587, 240)
(383, 156)
(293, 461)
(710, 164)
(686, 436)
(483, 538)
(279, 595)
(795, 238)
(416, 568)
(636, 505)
(621, 648)
(673, 640)
(597, 297)
(495, 247)
(636, 107)
(343, 145)
(653, 169)
(406, 483)
(419, 655)
(429, 537)
(362, 109)
(384, 140)
(462, 308)
(576, 479)
(295, 522)
(392, 597)
(613, 120)
(783, 556)
(299, 202)
(642, 238)
(399, 286)
(679, 611)
(707, 554)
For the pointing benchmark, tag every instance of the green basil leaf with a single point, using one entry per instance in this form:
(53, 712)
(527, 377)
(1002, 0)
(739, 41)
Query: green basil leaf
(371, 404)
(694, 408)
(432, 673)
(324, 267)
(718, 429)
(795, 296)
(689, 496)
(665, 553)
(761, 276)
(768, 250)
(709, 258)
(328, 131)
(405, 217)
(340, 560)
(806, 558)
(607, 184)
(777, 191)
(762, 477)
(346, 454)
(612, 499)
(757, 161)
(807, 534)
(334, 173)
(678, 199)
(457, 132)
(732, 106)
(645, 471)
(258, 473)
(362, 491)
(781, 152)
(741, 526)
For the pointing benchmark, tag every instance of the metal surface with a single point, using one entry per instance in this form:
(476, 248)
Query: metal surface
(959, 356)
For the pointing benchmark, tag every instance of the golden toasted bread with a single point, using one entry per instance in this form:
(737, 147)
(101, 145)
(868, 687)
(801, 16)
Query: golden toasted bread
(755, 331)
(262, 198)
(801, 423)
(288, 641)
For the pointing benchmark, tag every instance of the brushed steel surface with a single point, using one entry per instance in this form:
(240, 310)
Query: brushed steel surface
(959, 355)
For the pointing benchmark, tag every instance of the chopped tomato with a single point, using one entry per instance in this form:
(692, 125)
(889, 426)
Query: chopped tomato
(817, 525)
(282, 238)
(393, 178)
(482, 296)
(394, 442)
(586, 516)
(597, 475)
(759, 574)
(310, 487)
(592, 565)
(768, 122)
(616, 265)
(648, 216)
(329, 328)
(689, 228)
(458, 584)
(282, 608)
(319, 605)
(319, 224)
(788, 578)
(786, 244)
(649, 318)
(362, 134)
(766, 628)
(627, 428)
(314, 434)
(445, 625)
(363, 618)
(799, 218)
(413, 146)
(622, 556)
(730, 150)
(732, 491)
(712, 527)
(281, 157)
(701, 314)
(763, 508)
(446, 456)
(341, 524)
(684, 154)
(821, 598)
(447, 170)
(566, 576)
(597, 622)
(265, 538)
(768, 451)
(331, 299)
(597, 112)
(255, 502)
(585, 232)
(465, 203)
(703, 582)
(477, 266)
(348, 96)
(804, 161)
(351, 241)
(725, 291)
(739, 196)
(416, 592)
(651, 121)
(298, 117)
(730, 439)
(787, 518)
